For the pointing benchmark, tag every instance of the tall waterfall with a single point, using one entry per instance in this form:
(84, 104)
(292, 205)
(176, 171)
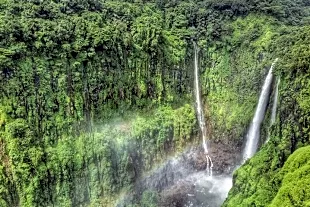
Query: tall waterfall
(254, 131)
(200, 114)
(275, 103)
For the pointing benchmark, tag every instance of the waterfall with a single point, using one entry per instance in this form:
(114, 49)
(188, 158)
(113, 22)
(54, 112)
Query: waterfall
(254, 131)
(274, 108)
(274, 105)
(200, 114)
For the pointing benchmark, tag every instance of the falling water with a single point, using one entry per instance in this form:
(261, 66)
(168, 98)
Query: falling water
(253, 134)
(274, 108)
(200, 114)
(275, 103)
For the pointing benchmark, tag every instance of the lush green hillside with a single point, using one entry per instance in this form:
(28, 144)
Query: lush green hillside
(265, 177)
(93, 93)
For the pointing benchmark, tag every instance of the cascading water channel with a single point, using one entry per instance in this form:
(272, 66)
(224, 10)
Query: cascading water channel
(274, 108)
(275, 103)
(200, 114)
(253, 133)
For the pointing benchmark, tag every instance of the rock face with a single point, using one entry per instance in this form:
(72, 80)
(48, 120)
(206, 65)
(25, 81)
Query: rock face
(225, 156)
(178, 179)
(177, 195)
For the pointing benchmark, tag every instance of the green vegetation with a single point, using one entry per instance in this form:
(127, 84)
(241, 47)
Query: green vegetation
(90, 165)
(149, 199)
(264, 179)
(94, 93)
(295, 184)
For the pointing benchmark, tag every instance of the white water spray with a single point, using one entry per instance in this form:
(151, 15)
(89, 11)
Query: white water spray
(200, 114)
(253, 133)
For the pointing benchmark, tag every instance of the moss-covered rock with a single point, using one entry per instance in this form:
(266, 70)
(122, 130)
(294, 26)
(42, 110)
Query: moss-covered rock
(295, 187)
(277, 176)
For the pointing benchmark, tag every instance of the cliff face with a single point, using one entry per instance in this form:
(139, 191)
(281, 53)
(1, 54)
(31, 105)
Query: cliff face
(94, 94)
(263, 180)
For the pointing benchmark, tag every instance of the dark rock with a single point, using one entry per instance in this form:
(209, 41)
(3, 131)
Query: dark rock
(169, 179)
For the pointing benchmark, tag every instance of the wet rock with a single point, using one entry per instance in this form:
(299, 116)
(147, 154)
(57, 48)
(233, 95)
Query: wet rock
(177, 196)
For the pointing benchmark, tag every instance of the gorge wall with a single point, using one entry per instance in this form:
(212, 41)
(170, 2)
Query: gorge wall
(94, 94)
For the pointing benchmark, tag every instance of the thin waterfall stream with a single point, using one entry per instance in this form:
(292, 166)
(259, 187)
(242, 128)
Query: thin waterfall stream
(200, 113)
(183, 180)
(274, 108)
(212, 190)
(275, 103)
(254, 131)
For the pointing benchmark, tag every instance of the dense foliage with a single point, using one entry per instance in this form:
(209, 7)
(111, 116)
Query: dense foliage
(266, 180)
(68, 69)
